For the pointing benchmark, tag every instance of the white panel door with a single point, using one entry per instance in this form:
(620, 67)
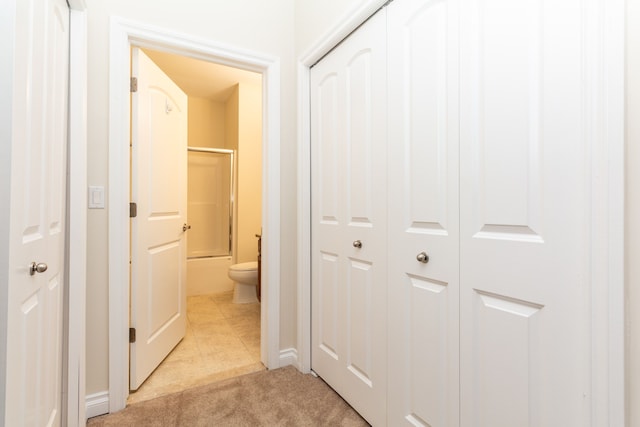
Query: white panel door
(525, 327)
(349, 219)
(423, 213)
(38, 199)
(159, 187)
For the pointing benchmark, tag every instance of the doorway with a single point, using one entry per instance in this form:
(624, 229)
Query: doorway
(125, 34)
(222, 131)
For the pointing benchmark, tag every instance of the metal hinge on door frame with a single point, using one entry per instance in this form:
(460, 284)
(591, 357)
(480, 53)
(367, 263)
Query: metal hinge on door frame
(132, 335)
(133, 209)
(133, 87)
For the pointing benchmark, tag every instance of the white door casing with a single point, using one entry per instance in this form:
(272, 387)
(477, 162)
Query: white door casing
(159, 188)
(423, 208)
(349, 206)
(33, 388)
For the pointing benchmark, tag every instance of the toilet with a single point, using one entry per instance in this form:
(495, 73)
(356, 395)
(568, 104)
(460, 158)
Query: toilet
(245, 278)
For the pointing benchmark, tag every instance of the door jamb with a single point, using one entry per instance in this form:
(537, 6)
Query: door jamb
(74, 370)
(125, 33)
(607, 389)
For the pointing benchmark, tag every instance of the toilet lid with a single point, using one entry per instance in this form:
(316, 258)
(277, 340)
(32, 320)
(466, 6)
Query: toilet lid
(245, 266)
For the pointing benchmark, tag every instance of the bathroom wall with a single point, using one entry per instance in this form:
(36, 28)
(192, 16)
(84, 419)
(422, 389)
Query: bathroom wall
(206, 124)
(244, 134)
(249, 196)
(254, 25)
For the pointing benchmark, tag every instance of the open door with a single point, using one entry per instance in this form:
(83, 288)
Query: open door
(158, 230)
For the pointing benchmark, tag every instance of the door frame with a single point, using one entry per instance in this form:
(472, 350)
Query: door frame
(606, 294)
(124, 34)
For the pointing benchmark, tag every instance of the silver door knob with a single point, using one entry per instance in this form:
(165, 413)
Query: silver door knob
(423, 257)
(34, 268)
(357, 244)
(186, 227)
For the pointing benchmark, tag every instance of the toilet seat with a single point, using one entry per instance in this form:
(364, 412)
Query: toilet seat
(245, 266)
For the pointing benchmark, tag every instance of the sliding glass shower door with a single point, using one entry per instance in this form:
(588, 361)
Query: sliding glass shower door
(210, 202)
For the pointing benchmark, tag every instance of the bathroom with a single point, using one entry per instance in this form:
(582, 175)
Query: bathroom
(224, 214)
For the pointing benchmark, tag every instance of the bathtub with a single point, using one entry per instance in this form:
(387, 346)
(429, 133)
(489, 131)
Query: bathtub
(208, 275)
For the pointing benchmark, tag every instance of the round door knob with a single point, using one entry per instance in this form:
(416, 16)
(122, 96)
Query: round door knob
(34, 268)
(357, 244)
(423, 257)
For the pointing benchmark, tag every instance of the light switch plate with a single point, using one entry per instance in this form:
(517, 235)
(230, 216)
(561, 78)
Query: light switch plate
(96, 197)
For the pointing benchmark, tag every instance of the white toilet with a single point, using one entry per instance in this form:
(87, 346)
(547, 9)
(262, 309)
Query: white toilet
(245, 278)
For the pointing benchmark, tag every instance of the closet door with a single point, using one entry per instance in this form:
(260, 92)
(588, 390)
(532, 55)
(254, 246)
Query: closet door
(349, 190)
(525, 323)
(423, 213)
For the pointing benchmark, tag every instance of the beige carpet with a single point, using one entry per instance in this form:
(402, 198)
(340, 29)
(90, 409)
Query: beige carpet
(282, 397)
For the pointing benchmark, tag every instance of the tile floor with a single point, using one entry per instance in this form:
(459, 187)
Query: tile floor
(222, 341)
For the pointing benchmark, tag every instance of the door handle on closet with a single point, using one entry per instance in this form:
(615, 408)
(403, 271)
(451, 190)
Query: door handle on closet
(357, 244)
(422, 257)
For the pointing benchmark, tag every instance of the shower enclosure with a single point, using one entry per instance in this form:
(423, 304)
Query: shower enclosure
(210, 198)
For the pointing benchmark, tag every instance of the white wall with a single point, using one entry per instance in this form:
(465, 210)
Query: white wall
(632, 231)
(314, 19)
(256, 25)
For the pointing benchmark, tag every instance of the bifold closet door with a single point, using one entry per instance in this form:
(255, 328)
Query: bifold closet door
(529, 86)
(349, 221)
(423, 213)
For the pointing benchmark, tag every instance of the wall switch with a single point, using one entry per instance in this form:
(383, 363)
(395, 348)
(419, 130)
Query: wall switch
(96, 197)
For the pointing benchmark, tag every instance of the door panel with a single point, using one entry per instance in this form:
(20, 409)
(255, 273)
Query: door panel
(423, 213)
(348, 205)
(524, 214)
(159, 185)
(37, 229)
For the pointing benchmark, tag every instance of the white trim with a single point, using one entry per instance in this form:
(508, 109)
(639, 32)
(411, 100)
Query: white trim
(74, 411)
(289, 356)
(347, 24)
(123, 34)
(97, 404)
(607, 275)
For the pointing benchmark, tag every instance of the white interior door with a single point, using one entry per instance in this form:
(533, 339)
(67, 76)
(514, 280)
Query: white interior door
(423, 213)
(349, 205)
(159, 187)
(33, 388)
(524, 262)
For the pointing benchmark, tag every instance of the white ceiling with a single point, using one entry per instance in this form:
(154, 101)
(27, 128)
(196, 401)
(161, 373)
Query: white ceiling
(202, 79)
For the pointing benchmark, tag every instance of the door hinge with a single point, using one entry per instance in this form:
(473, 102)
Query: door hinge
(133, 210)
(134, 84)
(132, 335)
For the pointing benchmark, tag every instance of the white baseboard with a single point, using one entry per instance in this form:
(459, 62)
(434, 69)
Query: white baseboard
(289, 356)
(97, 404)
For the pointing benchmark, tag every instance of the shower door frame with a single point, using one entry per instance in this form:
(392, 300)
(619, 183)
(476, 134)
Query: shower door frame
(232, 195)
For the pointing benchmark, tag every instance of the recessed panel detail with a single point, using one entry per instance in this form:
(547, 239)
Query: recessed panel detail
(507, 128)
(507, 349)
(328, 304)
(165, 137)
(427, 300)
(425, 124)
(359, 319)
(359, 138)
(328, 143)
(163, 286)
